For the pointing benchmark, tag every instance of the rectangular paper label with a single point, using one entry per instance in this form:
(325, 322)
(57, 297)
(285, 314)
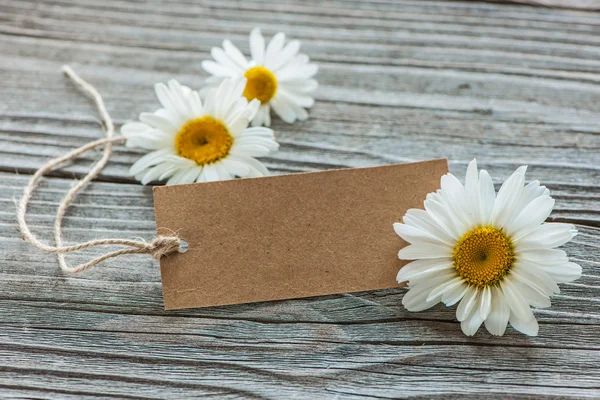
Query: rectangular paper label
(288, 236)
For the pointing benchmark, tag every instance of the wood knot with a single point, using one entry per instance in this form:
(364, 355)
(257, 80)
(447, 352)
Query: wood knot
(163, 245)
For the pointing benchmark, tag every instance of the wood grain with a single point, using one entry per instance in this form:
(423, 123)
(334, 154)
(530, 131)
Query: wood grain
(399, 81)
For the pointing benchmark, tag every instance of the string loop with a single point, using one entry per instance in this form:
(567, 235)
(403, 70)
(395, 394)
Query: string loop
(157, 248)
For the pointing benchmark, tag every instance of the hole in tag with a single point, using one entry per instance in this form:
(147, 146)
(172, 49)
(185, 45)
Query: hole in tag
(183, 246)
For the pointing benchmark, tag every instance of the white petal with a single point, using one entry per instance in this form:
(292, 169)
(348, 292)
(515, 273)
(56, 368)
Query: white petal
(135, 128)
(471, 324)
(270, 144)
(472, 192)
(300, 85)
(531, 294)
(485, 303)
(164, 97)
(167, 173)
(180, 162)
(302, 100)
(274, 49)
(151, 139)
(559, 273)
(444, 288)
(423, 221)
(531, 217)
(155, 173)
(301, 113)
(248, 150)
(422, 251)
(180, 96)
(536, 276)
(236, 167)
(565, 273)
(544, 256)
(267, 116)
(455, 295)
(441, 215)
(196, 104)
(188, 175)
(421, 269)
(301, 59)
(218, 69)
(258, 131)
(257, 169)
(467, 304)
(235, 54)
(221, 98)
(257, 46)
(515, 301)
(293, 72)
(258, 117)
(223, 58)
(508, 195)
(222, 171)
(262, 116)
(416, 300)
(160, 122)
(252, 109)
(210, 173)
(455, 192)
(231, 101)
(286, 55)
(148, 160)
(211, 102)
(281, 107)
(528, 326)
(192, 175)
(487, 197)
(238, 125)
(496, 321)
(546, 236)
(530, 192)
(415, 235)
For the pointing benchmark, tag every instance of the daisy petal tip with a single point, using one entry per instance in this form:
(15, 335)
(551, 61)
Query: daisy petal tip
(205, 64)
(400, 277)
(159, 87)
(400, 254)
(466, 329)
(522, 169)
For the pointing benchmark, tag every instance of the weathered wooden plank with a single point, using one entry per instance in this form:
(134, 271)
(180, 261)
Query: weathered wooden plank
(591, 5)
(131, 362)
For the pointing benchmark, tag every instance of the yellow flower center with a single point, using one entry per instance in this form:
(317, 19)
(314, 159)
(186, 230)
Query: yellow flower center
(261, 84)
(204, 140)
(483, 256)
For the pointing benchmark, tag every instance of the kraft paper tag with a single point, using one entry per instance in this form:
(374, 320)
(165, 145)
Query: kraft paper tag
(288, 236)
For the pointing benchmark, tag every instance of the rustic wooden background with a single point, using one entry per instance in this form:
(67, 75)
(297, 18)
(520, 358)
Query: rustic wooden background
(400, 81)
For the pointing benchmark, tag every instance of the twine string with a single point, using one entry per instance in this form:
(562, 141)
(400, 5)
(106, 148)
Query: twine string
(158, 247)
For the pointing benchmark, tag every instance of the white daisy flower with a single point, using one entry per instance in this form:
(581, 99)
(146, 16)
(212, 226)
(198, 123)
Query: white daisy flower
(277, 76)
(492, 253)
(195, 142)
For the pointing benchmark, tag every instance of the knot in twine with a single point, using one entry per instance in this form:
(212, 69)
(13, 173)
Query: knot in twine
(163, 245)
(157, 248)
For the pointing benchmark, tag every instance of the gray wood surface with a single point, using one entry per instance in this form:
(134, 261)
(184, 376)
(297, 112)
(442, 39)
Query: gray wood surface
(400, 80)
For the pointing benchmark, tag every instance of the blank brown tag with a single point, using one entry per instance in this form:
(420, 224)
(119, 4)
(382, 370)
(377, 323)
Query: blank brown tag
(288, 236)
